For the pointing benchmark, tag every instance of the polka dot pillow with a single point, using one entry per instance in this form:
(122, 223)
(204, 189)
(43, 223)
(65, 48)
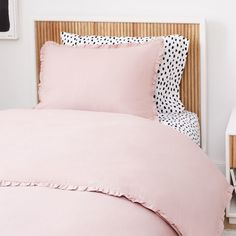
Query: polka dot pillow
(167, 96)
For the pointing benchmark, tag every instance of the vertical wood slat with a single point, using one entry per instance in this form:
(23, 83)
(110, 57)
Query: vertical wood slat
(190, 84)
(232, 151)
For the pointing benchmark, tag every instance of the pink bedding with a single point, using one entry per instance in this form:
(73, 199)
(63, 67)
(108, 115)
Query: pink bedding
(112, 78)
(49, 212)
(119, 155)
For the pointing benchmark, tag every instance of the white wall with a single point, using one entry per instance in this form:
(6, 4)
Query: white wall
(17, 77)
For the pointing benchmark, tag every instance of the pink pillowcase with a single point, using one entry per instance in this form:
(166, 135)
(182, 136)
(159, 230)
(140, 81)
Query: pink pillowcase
(119, 78)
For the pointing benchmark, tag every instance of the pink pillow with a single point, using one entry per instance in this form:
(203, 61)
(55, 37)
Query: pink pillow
(115, 78)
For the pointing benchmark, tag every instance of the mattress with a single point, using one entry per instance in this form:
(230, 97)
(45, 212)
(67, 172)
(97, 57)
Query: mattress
(186, 123)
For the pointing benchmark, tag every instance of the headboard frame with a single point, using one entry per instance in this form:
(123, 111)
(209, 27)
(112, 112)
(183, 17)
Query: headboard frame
(191, 88)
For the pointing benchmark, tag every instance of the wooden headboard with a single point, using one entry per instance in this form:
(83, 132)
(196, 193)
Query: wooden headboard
(191, 83)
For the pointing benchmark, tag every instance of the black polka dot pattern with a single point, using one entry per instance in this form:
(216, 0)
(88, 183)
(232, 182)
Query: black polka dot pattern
(185, 122)
(170, 72)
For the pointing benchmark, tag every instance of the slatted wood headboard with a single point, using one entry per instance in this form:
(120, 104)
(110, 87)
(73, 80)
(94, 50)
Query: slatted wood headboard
(191, 82)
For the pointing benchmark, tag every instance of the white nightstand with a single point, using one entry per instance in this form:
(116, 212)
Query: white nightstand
(230, 161)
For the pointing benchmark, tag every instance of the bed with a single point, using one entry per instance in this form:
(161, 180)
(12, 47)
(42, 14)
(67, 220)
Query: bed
(193, 83)
(75, 172)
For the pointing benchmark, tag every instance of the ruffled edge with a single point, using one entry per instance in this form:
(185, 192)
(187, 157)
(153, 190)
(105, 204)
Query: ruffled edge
(116, 193)
(98, 189)
(41, 76)
(157, 63)
(227, 198)
(94, 46)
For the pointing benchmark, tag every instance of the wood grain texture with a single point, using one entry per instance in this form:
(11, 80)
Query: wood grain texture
(232, 151)
(228, 225)
(190, 84)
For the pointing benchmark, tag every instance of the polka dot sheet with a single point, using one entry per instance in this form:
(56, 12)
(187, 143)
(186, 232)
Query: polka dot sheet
(167, 96)
(186, 123)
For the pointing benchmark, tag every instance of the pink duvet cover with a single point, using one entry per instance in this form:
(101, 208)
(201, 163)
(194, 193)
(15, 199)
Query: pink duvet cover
(119, 155)
(50, 212)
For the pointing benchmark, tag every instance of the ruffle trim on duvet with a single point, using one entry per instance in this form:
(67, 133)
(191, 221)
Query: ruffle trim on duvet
(98, 189)
(228, 196)
(115, 193)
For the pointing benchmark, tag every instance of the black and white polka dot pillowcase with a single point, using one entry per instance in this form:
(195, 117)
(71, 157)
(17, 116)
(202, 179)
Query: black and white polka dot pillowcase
(167, 96)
